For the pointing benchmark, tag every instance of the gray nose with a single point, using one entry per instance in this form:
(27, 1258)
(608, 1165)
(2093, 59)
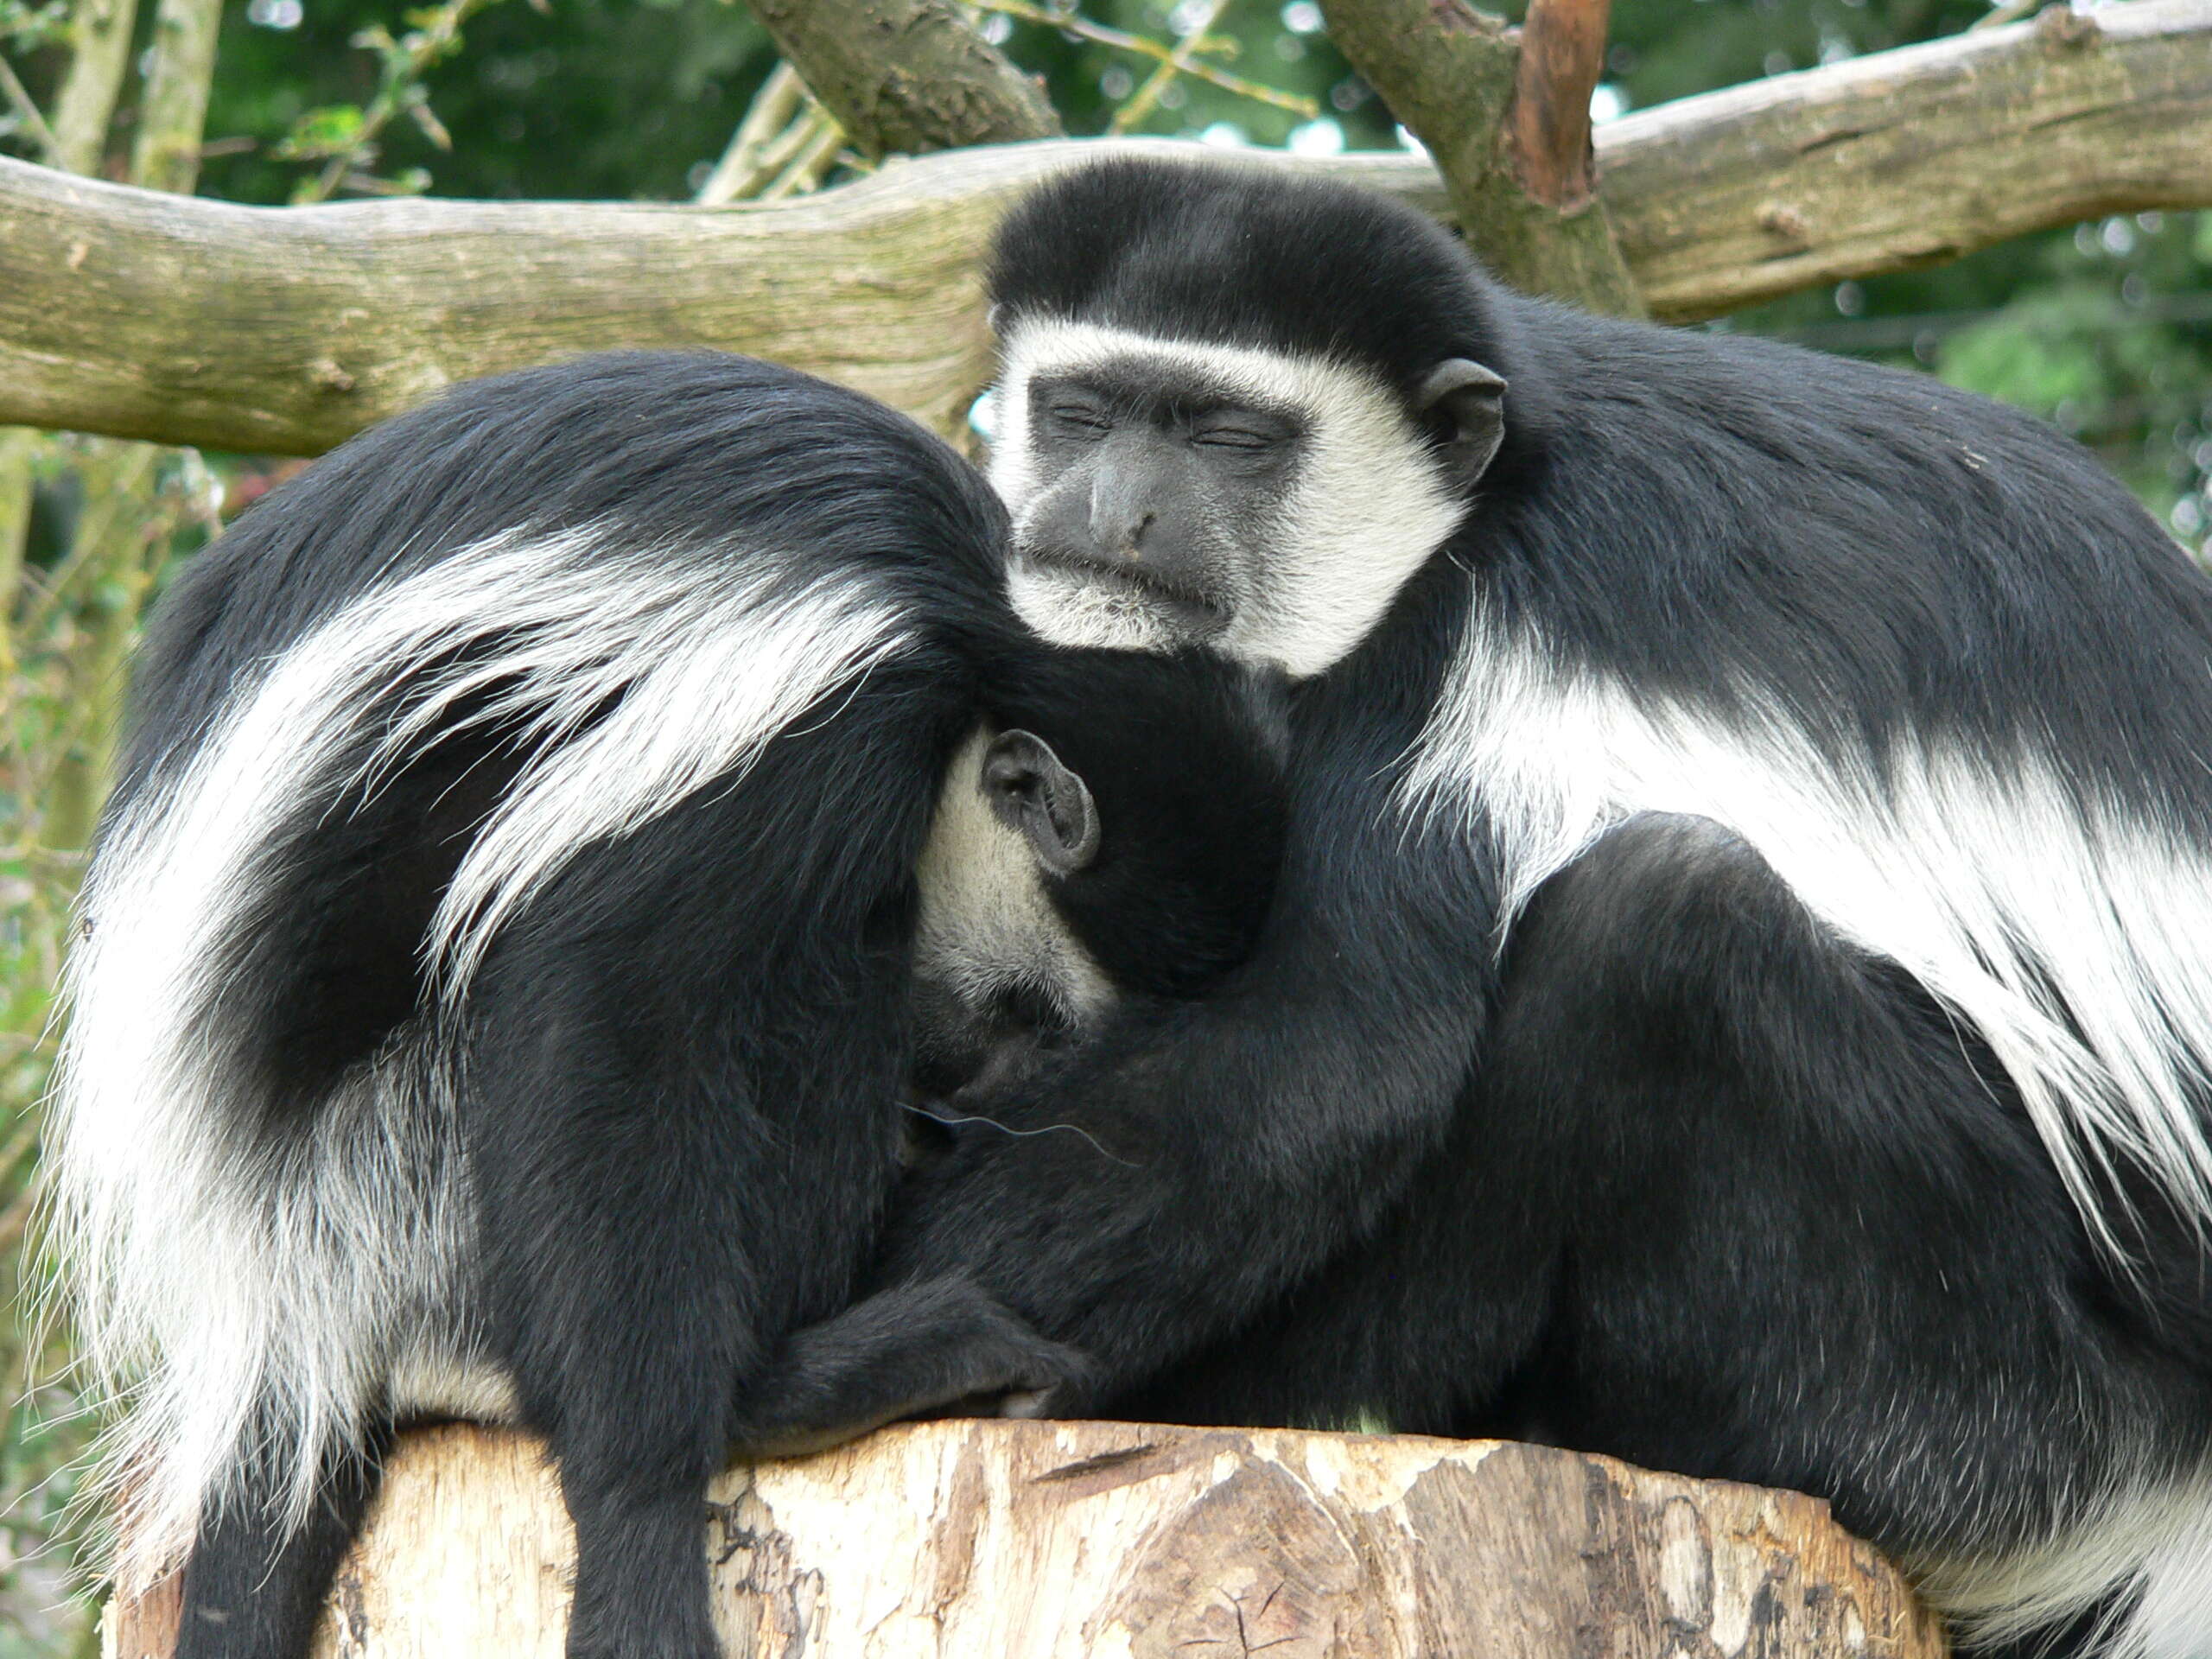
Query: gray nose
(1118, 519)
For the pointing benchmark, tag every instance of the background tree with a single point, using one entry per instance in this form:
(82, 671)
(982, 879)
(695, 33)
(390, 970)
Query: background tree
(2105, 328)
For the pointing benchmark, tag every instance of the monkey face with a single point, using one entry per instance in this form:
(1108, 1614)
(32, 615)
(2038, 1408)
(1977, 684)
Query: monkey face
(1267, 505)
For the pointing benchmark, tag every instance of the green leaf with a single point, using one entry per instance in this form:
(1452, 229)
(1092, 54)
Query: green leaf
(330, 130)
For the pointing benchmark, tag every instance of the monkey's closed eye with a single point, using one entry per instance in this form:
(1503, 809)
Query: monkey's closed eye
(1080, 420)
(1233, 437)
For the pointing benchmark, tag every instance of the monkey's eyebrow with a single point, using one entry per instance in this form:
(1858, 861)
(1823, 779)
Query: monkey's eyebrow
(1141, 376)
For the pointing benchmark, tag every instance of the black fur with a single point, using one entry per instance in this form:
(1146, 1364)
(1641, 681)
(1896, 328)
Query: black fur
(681, 1063)
(1687, 1179)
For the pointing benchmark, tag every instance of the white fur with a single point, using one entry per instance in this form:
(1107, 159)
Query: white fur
(1367, 507)
(211, 1274)
(2155, 1538)
(2010, 905)
(985, 925)
(2013, 907)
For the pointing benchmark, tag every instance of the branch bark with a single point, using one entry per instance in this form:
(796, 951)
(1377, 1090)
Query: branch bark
(906, 76)
(1070, 1541)
(1548, 127)
(173, 115)
(288, 329)
(1477, 95)
(1908, 158)
(99, 53)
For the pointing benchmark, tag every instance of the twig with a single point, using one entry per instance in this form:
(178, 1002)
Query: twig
(403, 62)
(781, 98)
(94, 526)
(815, 158)
(1180, 60)
(785, 144)
(19, 95)
(1548, 123)
(1084, 28)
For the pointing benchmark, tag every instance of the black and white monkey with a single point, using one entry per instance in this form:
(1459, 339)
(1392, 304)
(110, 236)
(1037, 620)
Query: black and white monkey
(493, 997)
(1740, 992)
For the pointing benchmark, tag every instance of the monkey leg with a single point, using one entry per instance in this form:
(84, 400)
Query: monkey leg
(254, 1586)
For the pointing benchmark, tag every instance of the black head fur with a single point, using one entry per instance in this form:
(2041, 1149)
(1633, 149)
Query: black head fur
(1188, 776)
(1196, 251)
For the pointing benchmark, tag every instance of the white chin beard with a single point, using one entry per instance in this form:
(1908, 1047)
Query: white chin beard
(1067, 610)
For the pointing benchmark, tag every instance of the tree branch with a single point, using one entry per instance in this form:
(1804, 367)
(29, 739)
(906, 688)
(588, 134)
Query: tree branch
(1908, 158)
(99, 53)
(1461, 81)
(173, 115)
(287, 329)
(903, 77)
(1548, 127)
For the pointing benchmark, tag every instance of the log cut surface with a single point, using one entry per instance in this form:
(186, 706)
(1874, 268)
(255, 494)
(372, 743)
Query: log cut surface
(988, 1540)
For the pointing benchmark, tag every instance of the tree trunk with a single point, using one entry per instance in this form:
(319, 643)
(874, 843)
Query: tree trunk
(988, 1540)
(1471, 90)
(906, 76)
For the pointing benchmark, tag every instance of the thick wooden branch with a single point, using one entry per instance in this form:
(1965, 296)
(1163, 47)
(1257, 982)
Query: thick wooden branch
(1911, 157)
(1082, 1540)
(1462, 82)
(1548, 128)
(907, 76)
(287, 329)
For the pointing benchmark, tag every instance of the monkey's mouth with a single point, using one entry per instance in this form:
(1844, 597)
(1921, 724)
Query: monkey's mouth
(1194, 613)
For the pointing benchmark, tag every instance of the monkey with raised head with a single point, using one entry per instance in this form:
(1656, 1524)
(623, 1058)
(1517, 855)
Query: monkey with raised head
(1739, 993)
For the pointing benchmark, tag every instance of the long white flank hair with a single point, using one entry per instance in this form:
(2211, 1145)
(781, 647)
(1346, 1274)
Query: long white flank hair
(241, 1298)
(2074, 933)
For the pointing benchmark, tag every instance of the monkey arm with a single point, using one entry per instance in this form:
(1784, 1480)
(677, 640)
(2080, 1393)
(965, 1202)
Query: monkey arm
(942, 1346)
(1159, 1185)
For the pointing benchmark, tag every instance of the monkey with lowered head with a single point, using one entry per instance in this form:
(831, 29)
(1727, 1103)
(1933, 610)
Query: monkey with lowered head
(501, 950)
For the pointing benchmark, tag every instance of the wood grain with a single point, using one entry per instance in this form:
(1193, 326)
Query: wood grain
(1115, 1541)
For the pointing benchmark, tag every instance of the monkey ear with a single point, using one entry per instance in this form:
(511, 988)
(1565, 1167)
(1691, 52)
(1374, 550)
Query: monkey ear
(1467, 401)
(1030, 790)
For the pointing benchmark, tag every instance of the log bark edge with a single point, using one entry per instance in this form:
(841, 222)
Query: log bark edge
(1124, 1540)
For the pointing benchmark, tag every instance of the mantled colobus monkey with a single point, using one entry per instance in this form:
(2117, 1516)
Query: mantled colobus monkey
(1739, 994)
(493, 992)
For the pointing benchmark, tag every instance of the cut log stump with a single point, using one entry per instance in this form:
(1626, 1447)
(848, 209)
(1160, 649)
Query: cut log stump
(989, 1540)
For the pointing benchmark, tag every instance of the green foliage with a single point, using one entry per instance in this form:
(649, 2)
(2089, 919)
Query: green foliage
(109, 520)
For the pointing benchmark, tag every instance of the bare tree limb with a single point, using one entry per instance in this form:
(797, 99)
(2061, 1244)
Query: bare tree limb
(903, 77)
(1458, 78)
(1548, 126)
(288, 329)
(1908, 158)
(99, 53)
(27, 111)
(786, 127)
(171, 119)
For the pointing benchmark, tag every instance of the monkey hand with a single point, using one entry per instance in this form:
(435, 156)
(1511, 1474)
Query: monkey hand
(941, 1347)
